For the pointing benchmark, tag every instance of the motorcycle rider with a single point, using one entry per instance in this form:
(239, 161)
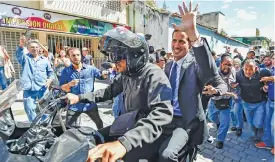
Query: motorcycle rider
(135, 141)
(146, 91)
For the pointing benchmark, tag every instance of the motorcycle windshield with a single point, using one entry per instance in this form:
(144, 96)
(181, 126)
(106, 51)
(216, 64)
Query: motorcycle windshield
(9, 95)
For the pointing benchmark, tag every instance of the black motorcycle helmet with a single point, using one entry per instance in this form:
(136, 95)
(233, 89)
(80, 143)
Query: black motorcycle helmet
(120, 43)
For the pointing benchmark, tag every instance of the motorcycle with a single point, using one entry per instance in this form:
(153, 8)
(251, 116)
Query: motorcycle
(47, 139)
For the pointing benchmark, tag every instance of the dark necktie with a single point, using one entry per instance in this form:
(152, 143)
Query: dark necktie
(173, 80)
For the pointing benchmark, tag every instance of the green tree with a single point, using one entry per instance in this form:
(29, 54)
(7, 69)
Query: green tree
(223, 32)
(151, 3)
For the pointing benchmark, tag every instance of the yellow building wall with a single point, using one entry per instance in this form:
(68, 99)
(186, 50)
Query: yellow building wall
(42, 37)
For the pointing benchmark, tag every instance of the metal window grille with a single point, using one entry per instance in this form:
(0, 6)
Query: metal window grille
(77, 42)
(10, 39)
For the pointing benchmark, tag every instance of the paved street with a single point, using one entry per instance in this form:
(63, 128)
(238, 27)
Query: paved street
(235, 149)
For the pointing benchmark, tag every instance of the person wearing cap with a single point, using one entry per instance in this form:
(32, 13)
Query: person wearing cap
(86, 58)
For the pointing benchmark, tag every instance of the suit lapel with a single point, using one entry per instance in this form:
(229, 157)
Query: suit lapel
(187, 61)
(168, 68)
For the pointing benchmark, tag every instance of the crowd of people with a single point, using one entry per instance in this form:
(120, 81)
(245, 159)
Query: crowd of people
(250, 96)
(71, 67)
(160, 100)
(251, 89)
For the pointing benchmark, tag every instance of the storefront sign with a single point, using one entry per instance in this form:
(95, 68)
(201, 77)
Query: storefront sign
(20, 17)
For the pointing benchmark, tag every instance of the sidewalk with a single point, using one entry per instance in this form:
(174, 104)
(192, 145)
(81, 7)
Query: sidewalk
(235, 149)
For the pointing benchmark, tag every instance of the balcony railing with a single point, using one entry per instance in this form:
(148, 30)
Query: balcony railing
(106, 10)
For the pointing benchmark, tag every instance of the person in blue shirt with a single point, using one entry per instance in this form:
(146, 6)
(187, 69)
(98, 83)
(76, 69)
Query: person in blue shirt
(36, 77)
(267, 63)
(267, 139)
(79, 78)
(237, 108)
(216, 59)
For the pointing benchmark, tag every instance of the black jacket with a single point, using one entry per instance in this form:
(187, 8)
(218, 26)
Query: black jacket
(251, 88)
(149, 91)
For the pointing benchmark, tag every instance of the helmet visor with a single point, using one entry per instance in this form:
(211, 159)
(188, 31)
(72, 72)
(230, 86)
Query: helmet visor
(117, 53)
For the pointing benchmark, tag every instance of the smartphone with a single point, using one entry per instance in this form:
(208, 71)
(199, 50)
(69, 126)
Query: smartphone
(28, 34)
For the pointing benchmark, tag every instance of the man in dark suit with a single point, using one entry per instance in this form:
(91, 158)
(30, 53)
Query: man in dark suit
(187, 74)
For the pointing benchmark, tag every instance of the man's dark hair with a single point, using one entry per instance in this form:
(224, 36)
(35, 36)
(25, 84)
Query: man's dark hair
(267, 56)
(178, 31)
(225, 56)
(253, 52)
(72, 49)
(182, 32)
(174, 32)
